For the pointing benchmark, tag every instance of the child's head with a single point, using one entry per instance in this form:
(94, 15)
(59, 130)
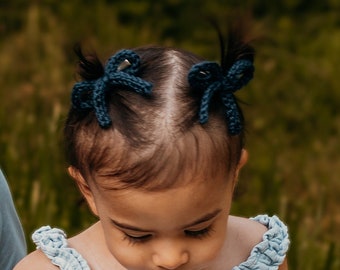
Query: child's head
(155, 142)
(152, 139)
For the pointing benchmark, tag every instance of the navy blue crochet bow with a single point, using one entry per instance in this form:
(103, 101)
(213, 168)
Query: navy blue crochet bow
(209, 78)
(120, 71)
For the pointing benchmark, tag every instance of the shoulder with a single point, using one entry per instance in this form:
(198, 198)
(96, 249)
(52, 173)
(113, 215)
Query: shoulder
(262, 239)
(242, 236)
(37, 261)
(261, 227)
(248, 233)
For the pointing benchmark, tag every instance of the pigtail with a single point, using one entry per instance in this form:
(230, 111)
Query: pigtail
(89, 67)
(236, 47)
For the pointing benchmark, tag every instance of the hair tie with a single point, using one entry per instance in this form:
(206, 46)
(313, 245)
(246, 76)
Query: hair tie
(120, 70)
(209, 78)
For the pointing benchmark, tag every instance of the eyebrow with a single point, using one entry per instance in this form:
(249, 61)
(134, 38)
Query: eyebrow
(202, 219)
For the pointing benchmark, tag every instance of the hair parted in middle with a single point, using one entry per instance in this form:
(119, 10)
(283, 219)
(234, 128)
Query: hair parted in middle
(155, 117)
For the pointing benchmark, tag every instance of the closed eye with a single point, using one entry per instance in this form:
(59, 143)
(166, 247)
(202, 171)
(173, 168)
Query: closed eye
(200, 233)
(137, 239)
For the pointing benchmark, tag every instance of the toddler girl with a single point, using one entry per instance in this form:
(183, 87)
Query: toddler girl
(155, 141)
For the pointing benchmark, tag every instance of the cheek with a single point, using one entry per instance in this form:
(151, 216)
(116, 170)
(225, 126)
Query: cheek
(126, 253)
(210, 249)
(130, 258)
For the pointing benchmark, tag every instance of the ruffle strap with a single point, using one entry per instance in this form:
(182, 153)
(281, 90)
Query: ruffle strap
(52, 242)
(271, 252)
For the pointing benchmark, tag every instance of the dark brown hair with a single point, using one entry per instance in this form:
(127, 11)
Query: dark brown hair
(154, 142)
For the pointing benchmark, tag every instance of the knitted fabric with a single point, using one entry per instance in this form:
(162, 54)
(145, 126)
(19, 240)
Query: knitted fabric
(53, 243)
(92, 94)
(271, 252)
(209, 78)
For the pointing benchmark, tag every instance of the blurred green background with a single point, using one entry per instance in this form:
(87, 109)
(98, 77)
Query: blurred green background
(292, 105)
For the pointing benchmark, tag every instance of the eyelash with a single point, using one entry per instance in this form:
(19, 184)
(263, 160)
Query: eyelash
(137, 239)
(192, 234)
(199, 234)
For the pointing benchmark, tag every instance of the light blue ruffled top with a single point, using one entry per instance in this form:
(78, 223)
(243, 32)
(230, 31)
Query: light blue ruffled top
(267, 255)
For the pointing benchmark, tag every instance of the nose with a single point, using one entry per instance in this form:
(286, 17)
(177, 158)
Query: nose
(170, 257)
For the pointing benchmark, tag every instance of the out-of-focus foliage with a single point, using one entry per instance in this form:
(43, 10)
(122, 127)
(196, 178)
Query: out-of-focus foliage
(292, 105)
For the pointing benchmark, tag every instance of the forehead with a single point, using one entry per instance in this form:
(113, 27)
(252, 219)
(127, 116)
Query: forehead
(176, 207)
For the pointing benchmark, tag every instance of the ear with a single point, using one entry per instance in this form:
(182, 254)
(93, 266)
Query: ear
(243, 159)
(241, 163)
(84, 188)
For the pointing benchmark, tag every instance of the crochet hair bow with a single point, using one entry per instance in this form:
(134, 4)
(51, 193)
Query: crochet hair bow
(120, 72)
(209, 78)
